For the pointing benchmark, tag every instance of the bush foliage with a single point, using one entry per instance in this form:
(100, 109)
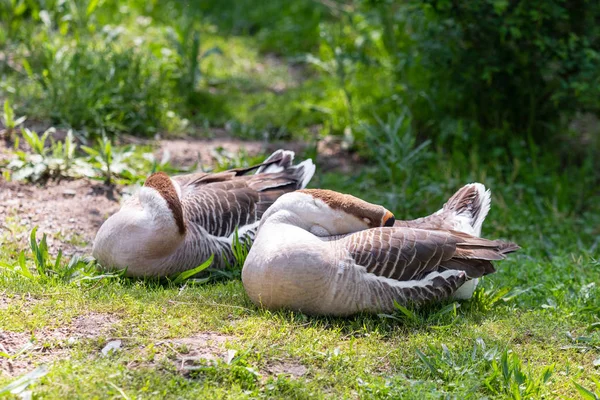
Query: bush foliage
(485, 71)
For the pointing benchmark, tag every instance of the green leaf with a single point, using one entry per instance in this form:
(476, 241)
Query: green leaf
(427, 362)
(25, 381)
(24, 270)
(586, 393)
(409, 314)
(58, 259)
(27, 67)
(40, 252)
(91, 7)
(8, 114)
(182, 277)
(445, 310)
(90, 151)
(216, 50)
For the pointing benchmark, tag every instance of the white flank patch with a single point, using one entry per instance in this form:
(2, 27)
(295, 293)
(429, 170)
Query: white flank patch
(427, 280)
(466, 290)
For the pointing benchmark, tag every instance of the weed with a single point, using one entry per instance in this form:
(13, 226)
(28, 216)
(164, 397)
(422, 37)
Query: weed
(185, 37)
(186, 275)
(102, 157)
(240, 247)
(504, 373)
(76, 271)
(235, 372)
(508, 378)
(586, 393)
(9, 121)
(61, 159)
(399, 155)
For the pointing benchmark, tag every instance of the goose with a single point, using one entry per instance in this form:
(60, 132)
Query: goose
(174, 224)
(325, 253)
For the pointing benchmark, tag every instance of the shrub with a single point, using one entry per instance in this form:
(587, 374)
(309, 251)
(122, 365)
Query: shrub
(514, 66)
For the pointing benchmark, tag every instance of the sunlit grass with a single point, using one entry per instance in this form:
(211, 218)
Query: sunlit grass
(283, 71)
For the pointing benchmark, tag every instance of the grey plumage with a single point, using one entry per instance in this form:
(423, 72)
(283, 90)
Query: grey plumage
(213, 207)
(319, 255)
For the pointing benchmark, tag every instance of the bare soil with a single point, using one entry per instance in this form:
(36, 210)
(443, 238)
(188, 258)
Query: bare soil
(291, 368)
(200, 347)
(46, 346)
(70, 212)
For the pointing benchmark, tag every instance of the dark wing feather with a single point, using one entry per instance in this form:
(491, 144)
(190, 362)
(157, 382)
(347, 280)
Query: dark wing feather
(407, 253)
(221, 202)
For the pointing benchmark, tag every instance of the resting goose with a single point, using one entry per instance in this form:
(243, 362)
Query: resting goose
(175, 224)
(326, 253)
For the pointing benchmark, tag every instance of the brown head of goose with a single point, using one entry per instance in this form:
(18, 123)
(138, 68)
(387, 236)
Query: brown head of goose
(326, 253)
(174, 224)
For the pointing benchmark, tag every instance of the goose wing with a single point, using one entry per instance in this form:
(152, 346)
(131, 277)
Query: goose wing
(219, 207)
(421, 265)
(222, 201)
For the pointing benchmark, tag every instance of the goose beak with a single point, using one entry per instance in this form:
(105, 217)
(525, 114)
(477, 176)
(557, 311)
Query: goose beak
(388, 219)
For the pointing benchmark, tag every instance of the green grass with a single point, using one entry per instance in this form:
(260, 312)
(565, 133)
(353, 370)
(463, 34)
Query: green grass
(364, 355)
(530, 331)
(104, 68)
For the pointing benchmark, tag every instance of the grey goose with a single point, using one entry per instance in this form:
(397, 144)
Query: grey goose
(175, 224)
(326, 253)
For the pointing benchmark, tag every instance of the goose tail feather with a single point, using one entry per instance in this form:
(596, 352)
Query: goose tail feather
(277, 162)
(470, 204)
(282, 161)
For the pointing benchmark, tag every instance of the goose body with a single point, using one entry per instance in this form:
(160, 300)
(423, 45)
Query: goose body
(326, 253)
(175, 224)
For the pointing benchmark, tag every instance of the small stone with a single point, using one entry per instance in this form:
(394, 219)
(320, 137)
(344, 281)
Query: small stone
(113, 345)
(20, 194)
(69, 193)
(71, 219)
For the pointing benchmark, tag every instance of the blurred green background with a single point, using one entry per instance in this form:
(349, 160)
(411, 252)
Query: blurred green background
(430, 94)
(501, 73)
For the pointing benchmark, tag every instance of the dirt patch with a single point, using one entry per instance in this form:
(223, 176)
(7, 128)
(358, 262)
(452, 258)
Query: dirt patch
(49, 345)
(69, 212)
(7, 301)
(29, 353)
(187, 152)
(291, 368)
(200, 347)
(4, 302)
(88, 326)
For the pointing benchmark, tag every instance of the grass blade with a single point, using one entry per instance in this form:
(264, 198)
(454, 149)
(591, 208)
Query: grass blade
(23, 382)
(586, 393)
(182, 277)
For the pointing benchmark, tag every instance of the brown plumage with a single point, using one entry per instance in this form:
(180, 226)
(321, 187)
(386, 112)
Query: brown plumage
(406, 253)
(350, 269)
(174, 224)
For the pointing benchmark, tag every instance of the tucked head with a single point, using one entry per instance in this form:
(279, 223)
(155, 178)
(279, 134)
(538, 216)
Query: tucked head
(148, 227)
(167, 190)
(326, 213)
